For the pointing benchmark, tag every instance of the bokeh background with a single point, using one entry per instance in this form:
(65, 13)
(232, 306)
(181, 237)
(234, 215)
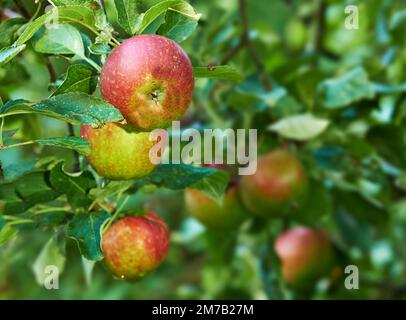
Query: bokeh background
(357, 165)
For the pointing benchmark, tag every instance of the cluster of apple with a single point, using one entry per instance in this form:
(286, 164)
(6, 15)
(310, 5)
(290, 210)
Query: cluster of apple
(150, 79)
(306, 254)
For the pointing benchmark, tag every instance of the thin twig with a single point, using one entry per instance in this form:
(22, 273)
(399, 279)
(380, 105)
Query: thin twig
(320, 18)
(51, 71)
(76, 167)
(103, 5)
(320, 26)
(36, 12)
(251, 48)
(232, 52)
(53, 77)
(22, 9)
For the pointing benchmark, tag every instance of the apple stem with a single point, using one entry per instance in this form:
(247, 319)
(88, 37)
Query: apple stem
(51, 209)
(36, 12)
(17, 145)
(1, 131)
(116, 213)
(92, 63)
(16, 220)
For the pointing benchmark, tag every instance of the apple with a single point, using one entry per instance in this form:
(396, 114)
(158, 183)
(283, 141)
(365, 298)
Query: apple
(150, 79)
(306, 255)
(136, 245)
(279, 180)
(227, 215)
(118, 152)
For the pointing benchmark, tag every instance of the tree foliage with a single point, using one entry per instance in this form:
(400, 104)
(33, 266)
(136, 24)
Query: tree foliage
(290, 69)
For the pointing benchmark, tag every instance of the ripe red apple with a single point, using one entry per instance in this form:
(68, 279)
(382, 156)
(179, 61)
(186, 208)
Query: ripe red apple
(150, 79)
(136, 245)
(118, 152)
(226, 216)
(305, 254)
(279, 180)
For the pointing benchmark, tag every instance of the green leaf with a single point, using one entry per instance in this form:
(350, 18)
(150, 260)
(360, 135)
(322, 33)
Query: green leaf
(78, 14)
(112, 188)
(312, 212)
(179, 23)
(28, 190)
(85, 228)
(2, 222)
(73, 107)
(33, 188)
(76, 188)
(389, 142)
(389, 88)
(127, 14)
(50, 255)
(7, 233)
(13, 204)
(79, 78)
(73, 143)
(350, 87)
(102, 24)
(88, 267)
(214, 185)
(33, 27)
(177, 176)
(401, 181)
(359, 207)
(100, 49)
(62, 39)
(12, 104)
(72, 2)
(6, 54)
(219, 73)
(8, 30)
(300, 127)
(80, 107)
(155, 11)
(272, 98)
(14, 170)
(397, 19)
(397, 211)
(53, 218)
(7, 135)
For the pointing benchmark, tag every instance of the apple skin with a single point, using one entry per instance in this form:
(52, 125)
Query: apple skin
(229, 215)
(136, 245)
(279, 180)
(306, 255)
(150, 79)
(118, 152)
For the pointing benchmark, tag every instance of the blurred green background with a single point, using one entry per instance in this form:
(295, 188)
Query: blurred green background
(357, 165)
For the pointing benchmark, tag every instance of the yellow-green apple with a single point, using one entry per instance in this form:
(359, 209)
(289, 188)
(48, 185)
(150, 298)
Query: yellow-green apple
(227, 215)
(150, 79)
(118, 152)
(136, 245)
